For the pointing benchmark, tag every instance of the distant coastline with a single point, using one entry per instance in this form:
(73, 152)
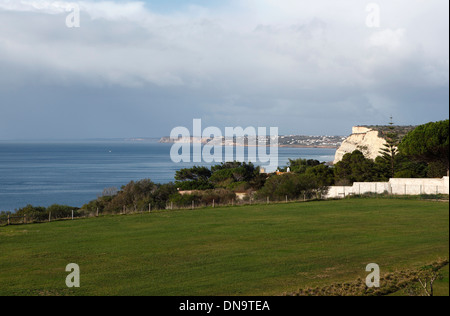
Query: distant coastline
(310, 146)
(167, 140)
(292, 141)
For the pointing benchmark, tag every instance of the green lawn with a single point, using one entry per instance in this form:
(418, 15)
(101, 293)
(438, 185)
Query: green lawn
(441, 286)
(248, 250)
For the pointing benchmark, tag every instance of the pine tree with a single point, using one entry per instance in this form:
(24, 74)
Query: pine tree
(428, 143)
(390, 150)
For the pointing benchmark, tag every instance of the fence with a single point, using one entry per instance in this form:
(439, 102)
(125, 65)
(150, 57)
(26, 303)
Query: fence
(20, 220)
(394, 186)
(11, 219)
(249, 200)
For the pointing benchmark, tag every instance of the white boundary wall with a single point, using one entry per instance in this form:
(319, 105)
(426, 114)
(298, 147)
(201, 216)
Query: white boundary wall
(394, 186)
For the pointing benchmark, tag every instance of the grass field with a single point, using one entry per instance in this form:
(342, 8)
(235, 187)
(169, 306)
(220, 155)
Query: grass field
(248, 250)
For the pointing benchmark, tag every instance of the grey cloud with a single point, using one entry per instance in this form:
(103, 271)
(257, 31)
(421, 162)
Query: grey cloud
(132, 65)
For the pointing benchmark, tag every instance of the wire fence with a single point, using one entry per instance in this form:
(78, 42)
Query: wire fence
(11, 219)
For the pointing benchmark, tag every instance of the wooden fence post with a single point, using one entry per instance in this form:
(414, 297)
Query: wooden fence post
(49, 217)
(72, 214)
(8, 220)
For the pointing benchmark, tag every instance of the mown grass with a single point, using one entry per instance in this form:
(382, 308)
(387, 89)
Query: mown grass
(248, 250)
(441, 286)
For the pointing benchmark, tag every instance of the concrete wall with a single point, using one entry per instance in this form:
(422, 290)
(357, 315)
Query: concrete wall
(339, 192)
(394, 186)
(419, 186)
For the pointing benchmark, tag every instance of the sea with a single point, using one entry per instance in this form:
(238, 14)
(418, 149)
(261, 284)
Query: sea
(74, 173)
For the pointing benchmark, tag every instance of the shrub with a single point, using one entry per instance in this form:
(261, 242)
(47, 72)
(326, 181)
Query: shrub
(61, 211)
(293, 186)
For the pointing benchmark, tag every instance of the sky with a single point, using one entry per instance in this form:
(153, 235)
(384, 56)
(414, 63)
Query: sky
(142, 68)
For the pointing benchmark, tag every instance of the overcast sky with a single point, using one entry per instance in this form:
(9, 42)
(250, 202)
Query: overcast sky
(141, 68)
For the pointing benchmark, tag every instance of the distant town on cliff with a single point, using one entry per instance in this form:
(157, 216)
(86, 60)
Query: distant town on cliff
(301, 141)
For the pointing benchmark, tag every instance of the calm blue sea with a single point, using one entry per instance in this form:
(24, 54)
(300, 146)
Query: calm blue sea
(75, 173)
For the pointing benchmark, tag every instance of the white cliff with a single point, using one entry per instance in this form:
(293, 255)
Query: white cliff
(363, 139)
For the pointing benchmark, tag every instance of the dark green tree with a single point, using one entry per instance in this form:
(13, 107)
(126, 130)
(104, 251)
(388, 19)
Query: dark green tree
(301, 165)
(354, 167)
(161, 196)
(134, 192)
(428, 143)
(292, 186)
(37, 213)
(235, 175)
(195, 178)
(61, 211)
(324, 175)
(196, 173)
